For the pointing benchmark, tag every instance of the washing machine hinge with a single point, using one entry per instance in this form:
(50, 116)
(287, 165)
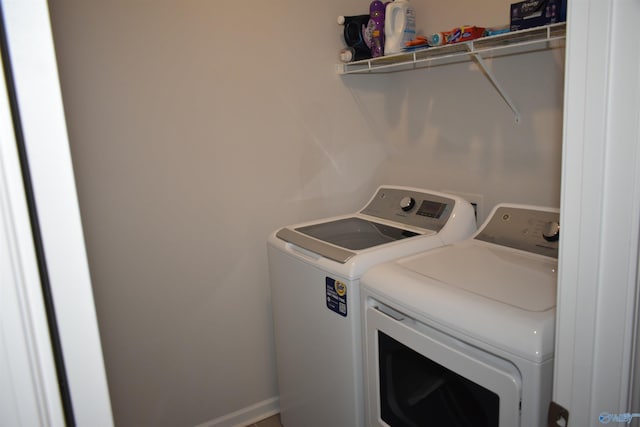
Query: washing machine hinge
(557, 416)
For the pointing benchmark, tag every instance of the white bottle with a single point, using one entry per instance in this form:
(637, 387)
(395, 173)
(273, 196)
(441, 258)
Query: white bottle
(399, 26)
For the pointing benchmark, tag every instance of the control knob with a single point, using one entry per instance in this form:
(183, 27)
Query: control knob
(407, 203)
(551, 231)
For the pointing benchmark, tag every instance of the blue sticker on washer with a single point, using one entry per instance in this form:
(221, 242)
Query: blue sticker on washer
(336, 296)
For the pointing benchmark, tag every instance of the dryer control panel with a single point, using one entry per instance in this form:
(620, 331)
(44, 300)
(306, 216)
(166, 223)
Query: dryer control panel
(523, 227)
(411, 207)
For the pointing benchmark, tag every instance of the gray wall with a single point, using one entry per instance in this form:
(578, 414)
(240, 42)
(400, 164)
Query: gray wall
(198, 127)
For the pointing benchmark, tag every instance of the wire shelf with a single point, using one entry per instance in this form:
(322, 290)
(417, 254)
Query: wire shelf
(502, 44)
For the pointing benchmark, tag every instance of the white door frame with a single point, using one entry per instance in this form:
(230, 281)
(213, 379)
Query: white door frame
(30, 385)
(600, 209)
(29, 393)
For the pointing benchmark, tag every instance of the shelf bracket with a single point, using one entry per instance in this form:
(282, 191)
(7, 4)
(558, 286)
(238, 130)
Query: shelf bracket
(487, 72)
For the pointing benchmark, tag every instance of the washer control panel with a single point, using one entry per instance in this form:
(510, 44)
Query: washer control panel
(524, 228)
(411, 207)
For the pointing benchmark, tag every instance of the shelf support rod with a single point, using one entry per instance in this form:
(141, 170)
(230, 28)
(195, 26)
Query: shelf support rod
(495, 84)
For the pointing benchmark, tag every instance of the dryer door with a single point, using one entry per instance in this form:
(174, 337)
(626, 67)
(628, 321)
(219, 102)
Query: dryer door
(418, 376)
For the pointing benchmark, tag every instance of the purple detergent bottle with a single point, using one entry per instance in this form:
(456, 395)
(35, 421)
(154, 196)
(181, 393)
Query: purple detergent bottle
(376, 28)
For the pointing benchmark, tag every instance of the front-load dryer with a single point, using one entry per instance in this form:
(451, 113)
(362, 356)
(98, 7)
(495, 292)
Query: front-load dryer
(315, 270)
(463, 335)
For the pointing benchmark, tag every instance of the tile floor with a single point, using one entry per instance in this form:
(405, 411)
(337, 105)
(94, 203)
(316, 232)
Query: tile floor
(273, 421)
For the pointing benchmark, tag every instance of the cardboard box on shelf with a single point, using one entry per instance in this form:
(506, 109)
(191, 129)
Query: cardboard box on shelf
(534, 13)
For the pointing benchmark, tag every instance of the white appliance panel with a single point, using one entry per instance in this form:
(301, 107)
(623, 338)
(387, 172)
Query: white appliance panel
(304, 375)
(493, 373)
(483, 269)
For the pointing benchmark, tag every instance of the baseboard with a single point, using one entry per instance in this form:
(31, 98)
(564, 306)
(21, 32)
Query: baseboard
(246, 416)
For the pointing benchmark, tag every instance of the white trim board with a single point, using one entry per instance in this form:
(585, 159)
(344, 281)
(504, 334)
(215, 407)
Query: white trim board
(246, 416)
(600, 211)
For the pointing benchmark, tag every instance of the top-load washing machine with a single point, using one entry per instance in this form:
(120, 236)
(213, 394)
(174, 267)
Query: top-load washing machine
(315, 268)
(463, 335)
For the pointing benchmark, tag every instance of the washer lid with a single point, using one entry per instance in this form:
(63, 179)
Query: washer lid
(523, 280)
(355, 233)
(339, 239)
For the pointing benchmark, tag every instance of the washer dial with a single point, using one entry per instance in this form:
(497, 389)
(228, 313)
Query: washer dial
(551, 231)
(407, 203)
